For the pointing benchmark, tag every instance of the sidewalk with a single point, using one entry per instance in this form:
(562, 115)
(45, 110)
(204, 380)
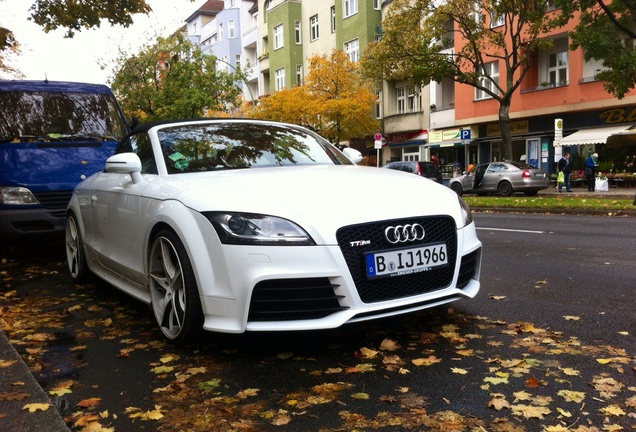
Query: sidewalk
(18, 388)
(622, 193)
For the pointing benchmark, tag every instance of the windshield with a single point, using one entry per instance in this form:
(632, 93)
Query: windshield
(204, 147)
(59, 116)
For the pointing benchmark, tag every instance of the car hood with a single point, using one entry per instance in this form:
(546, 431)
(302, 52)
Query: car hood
(324, 196)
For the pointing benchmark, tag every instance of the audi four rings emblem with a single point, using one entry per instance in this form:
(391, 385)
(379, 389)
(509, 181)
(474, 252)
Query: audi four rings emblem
(404, 233)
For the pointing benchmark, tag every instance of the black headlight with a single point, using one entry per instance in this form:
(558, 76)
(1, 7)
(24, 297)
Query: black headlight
(257, 229)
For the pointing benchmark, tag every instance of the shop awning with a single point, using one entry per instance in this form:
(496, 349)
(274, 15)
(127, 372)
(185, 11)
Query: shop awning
(444, 144)
(592, 135)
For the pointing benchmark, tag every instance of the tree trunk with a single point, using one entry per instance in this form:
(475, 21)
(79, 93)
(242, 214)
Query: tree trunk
(506, 131)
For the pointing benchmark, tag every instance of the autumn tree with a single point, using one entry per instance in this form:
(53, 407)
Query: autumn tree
(606, 32)
(429, 40)
(172, 78)
(335, 101)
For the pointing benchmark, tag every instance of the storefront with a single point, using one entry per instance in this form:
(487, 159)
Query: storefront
(405, 146)
(453, 152)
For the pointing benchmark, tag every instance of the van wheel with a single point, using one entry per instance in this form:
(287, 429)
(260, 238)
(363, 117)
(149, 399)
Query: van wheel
(75, 251)
(174, 293)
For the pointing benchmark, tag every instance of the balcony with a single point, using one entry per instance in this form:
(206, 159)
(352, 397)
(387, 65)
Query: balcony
(443, 118)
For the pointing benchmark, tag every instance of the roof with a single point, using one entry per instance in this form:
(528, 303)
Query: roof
(211, 7)
(52, 86)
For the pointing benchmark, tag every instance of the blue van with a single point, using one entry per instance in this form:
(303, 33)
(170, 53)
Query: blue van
(52, 136)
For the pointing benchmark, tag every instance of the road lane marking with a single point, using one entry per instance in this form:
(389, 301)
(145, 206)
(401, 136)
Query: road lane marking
(512, 230)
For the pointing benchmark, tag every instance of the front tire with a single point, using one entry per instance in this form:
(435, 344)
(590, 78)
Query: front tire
(504, 189)
(174, 293)
(75, 256)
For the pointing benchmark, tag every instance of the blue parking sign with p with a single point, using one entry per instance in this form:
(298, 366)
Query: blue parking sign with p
(465, 134)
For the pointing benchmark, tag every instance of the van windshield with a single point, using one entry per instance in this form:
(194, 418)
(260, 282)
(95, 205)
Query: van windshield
(59, 116)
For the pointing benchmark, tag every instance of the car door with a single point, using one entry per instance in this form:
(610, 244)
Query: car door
(116, 220)
(492, 176)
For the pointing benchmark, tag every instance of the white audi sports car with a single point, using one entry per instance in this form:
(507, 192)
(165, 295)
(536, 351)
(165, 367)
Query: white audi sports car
(241, 225)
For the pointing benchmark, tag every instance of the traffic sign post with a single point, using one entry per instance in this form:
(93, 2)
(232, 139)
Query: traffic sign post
(377, 145)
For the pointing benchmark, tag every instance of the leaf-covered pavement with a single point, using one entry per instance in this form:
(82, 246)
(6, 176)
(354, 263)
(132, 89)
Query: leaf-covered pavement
(103, 363)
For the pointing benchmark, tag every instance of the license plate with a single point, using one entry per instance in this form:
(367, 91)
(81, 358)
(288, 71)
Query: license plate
(406, 261)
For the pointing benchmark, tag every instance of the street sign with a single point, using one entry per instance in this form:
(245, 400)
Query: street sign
(465, 134)
(378, 137)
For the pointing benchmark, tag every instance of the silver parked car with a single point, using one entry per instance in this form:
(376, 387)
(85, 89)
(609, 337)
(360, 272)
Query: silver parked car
(504, 178)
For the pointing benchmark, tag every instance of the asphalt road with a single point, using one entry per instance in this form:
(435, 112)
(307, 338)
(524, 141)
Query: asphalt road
(550, 342)
(549, 266)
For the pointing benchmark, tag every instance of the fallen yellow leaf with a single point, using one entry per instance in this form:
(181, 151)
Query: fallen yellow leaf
(430, 360)
(33, 407)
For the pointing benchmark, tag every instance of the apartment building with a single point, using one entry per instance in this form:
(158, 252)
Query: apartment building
(228, 29)
(274, 40)
(561, 106)
(293, 31)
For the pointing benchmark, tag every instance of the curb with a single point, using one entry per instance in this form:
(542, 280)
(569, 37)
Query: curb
(19, 388)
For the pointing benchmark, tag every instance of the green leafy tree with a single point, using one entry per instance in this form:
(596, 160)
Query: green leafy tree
(174, 79)
(606, 32)
(335, 100)
(419, 44)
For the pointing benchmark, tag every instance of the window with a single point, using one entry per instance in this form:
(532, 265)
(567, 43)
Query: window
(496, 19)
(333, 19)
(488, 82)
(378, 104)
(558, 68)
(237, 62)
(278, 37)
(413, 100)
(553, 64)
(232, 3)
(313, 28)
(350, 8)
(352, 48)
(401, 100)
(299, 74)
(280, 79)
(221, 36)
(377, 4)
(231, 29)
(297, 32)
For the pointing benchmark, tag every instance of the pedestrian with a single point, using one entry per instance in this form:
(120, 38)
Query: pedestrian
(565, 167)
(590, 171)
(435, 158)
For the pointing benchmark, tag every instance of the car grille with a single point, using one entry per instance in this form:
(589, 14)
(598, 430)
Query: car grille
(54, 201)
(293, 299)
(437, 228)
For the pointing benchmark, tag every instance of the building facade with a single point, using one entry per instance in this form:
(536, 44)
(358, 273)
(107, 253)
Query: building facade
(274, 40)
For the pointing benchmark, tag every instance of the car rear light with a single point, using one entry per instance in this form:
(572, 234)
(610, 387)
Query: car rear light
(526, 174)
(419, 170)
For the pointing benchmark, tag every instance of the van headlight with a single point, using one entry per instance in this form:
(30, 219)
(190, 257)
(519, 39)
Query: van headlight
(10, 195)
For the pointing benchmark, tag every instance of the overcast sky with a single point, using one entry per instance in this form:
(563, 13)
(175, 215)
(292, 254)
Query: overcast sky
(58, 59)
